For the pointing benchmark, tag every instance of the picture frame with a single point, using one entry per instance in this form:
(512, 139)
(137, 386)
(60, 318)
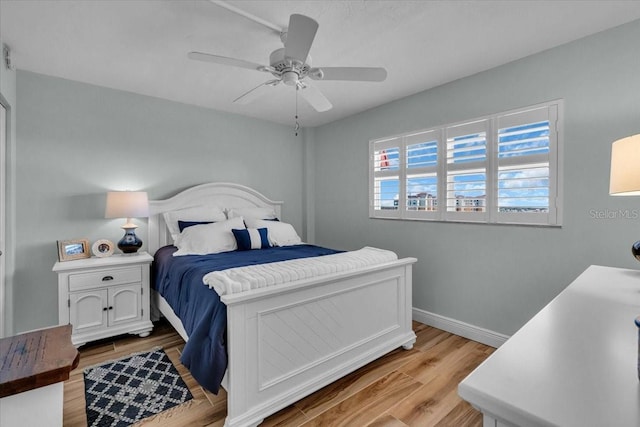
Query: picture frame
(69, 250)
(102, 248)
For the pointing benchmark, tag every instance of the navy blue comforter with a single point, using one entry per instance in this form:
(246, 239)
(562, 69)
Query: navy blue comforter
(203, 315)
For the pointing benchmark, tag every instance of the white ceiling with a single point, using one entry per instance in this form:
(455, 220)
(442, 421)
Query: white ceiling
(141, 45)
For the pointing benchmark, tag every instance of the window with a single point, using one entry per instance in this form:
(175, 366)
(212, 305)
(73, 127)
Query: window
(502, 168)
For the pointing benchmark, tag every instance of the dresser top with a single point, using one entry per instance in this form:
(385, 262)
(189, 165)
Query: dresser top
(574, 363)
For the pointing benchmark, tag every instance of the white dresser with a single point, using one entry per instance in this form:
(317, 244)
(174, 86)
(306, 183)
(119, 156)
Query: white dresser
(103, 297)
(573, 364)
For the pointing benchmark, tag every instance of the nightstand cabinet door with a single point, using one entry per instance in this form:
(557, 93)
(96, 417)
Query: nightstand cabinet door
(87, 310)
(125, 304)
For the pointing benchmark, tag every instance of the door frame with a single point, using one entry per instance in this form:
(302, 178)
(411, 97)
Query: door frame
(5, 129)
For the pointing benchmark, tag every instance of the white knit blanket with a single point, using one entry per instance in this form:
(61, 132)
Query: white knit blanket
(239, 279)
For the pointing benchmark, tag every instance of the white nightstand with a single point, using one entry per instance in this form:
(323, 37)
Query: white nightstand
(103, 297)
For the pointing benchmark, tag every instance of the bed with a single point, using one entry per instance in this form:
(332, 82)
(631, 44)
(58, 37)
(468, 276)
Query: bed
(371, 304)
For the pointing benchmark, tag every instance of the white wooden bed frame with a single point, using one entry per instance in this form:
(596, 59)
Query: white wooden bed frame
(285, 342)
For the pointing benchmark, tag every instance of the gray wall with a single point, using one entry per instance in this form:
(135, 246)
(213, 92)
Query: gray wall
(77, 141)
(497, 276)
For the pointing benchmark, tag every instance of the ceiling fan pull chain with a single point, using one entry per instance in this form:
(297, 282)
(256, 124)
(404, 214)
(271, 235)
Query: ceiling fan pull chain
(297, 124)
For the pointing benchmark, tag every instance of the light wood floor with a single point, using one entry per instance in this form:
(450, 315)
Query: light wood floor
(404, 388)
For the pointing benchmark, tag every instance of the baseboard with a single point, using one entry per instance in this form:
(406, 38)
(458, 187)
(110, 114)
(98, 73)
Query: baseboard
(457, 327)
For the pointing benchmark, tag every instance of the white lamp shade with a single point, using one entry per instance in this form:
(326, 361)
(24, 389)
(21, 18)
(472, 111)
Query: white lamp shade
(127, 204)
(625, 167)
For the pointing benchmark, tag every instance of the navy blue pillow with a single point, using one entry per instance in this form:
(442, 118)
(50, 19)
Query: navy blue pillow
(251, 238)
(186, 224)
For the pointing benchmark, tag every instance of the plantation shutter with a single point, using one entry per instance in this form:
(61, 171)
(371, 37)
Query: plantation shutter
(466, 171)
(421, 165)
(526, 186)
(385, 177)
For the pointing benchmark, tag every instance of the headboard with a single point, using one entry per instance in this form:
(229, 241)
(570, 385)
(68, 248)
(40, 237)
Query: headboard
(223, 194)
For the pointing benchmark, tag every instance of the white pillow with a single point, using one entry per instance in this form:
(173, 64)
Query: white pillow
(208, 238)
(196, 213)
(280, 233)
(255, 213)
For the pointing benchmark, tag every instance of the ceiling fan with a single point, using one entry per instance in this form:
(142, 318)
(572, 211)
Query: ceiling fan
(291, 65)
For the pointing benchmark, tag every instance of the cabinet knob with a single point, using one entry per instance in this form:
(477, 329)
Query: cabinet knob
(107, 278)
(105, 309)
(110, 308)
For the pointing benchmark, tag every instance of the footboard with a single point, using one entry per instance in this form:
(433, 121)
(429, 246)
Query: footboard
(286, 342)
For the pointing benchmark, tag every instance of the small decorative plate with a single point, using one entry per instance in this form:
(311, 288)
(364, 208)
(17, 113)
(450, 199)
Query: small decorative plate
(102, 248)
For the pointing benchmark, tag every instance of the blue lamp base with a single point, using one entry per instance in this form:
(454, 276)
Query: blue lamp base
(130, 243)
(635, 250)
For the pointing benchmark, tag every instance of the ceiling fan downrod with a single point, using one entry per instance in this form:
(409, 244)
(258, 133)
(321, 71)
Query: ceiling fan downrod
(248, 15)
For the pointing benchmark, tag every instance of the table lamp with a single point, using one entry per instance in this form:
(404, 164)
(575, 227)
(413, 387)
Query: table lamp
(127, 204)
(625, 173)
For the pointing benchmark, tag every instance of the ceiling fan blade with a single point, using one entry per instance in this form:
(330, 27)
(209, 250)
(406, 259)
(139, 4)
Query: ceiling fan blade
(363, 74)
(314, 97)
(300, 34)
(207, 57)
(256, 92)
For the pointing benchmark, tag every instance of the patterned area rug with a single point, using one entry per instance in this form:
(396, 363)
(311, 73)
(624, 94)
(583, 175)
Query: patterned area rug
(122, 392)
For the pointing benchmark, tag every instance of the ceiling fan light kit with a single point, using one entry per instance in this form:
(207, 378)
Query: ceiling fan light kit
(291, 64)
(290, 78)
